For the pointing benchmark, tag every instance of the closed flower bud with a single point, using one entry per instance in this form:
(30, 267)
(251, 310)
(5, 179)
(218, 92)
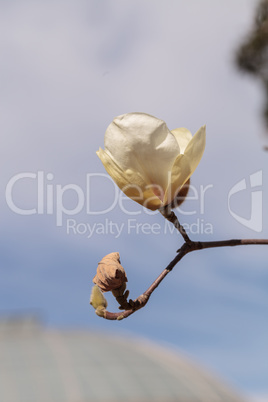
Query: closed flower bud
(147, 161)
(110, 273)
(98, 301)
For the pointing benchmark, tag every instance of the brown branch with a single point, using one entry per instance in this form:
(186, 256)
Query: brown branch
(186, 248)
(171, 217)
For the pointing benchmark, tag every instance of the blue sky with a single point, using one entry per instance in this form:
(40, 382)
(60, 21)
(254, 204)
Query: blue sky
(68, 68)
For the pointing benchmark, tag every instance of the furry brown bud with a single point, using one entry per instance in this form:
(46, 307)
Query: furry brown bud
(110, 273)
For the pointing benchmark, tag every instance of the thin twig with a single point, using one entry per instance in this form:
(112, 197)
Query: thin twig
(171, 217)
(186, 248)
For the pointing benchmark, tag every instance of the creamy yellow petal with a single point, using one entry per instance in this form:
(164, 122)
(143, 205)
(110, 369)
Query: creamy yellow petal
(196, 147)
(130, 182)
(183, 137)
(185, 164)
(179, 174)
(140, 142)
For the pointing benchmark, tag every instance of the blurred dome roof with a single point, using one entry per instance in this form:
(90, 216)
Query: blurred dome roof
(39, 365)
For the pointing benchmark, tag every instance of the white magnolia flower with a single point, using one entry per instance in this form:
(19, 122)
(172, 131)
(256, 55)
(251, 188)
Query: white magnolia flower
(149, 163)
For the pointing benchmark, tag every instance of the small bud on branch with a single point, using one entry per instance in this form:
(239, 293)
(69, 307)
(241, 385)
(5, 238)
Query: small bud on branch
(110, 273)
(188, 246)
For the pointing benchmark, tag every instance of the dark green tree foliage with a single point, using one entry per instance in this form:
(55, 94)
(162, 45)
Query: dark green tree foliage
(252, 56)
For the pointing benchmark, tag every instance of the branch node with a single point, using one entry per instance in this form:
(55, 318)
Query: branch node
(99, 302)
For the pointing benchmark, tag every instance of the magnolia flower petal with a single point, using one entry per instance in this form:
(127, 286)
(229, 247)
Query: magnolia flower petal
(130, 182)
(185, 164)
(179, 174)
(183, 137)
(196, 147)
(141, 142)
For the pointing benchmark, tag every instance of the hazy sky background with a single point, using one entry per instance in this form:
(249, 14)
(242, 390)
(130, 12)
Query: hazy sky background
(67, 69)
